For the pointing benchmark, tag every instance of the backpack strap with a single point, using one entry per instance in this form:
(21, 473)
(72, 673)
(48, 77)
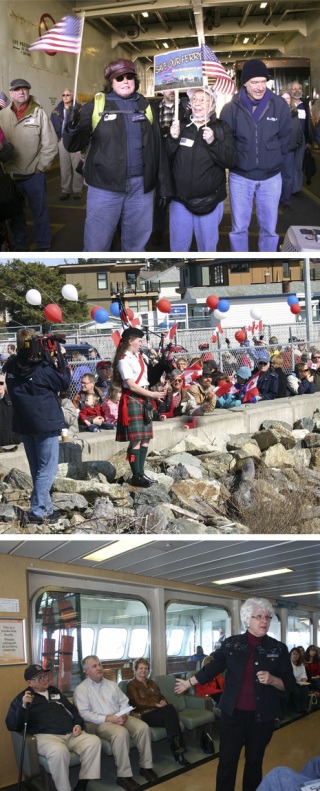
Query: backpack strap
(98, 108)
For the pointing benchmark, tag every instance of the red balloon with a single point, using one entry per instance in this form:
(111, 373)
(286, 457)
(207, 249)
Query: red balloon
(164, 305)
(214, 338)
(127, 314)
(212, 301)
(93, 310)
(53, 313)
(240, 336)
(295, 309)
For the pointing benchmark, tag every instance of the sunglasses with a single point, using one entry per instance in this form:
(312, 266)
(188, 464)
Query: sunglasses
(121, 77)
(263, 362)
(66, 94)
(2, 383)
(177, 379)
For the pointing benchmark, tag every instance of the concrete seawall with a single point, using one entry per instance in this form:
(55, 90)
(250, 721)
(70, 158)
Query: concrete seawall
(245, 419)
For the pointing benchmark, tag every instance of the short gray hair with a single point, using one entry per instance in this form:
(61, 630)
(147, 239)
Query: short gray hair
(250, 605)
(86, 660)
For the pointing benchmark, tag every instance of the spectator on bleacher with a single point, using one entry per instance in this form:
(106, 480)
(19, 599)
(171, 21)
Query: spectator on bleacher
(110, 407)
(78, 370)
(149, 704)
(93, 354)
(315, 367)
(104, 374)
(300, 691)
(258, 670)
(276, 364)
(103, 703)
(57, 727)
(213, 688)
(182, 363)
(268, 382)
(204, 395)
(284, 779)
(178, 400)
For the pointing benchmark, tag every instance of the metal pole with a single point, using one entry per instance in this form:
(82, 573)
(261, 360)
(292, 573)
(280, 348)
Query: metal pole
(307, 290)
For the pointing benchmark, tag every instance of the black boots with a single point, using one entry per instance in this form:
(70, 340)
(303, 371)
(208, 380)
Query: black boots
(81, 785)
(178, 749)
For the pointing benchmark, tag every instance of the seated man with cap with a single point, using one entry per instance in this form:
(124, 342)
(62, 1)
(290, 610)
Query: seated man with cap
(261, 125)
(125, 160)
(57, 727)
(104, 373)
(27, 127)
(268, 382)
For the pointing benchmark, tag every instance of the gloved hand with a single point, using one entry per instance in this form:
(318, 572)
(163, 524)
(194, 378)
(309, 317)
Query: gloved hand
(72, 117)
(162, 203)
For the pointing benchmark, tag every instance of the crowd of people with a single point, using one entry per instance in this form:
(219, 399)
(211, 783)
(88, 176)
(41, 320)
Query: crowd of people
(248, 676)
(137, 156)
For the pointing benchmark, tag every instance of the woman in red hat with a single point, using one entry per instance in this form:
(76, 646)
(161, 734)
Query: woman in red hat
(125, 160)
(135, 411)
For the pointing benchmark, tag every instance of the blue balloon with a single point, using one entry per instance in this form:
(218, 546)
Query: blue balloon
(115, 310)
(223, 305)
(101, 315)
(292, 300)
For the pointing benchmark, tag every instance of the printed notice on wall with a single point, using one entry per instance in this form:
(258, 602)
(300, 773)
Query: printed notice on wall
(9, 605)
(12, 641)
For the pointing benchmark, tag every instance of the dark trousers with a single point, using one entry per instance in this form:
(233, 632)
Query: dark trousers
(165, 717)
(237, 731)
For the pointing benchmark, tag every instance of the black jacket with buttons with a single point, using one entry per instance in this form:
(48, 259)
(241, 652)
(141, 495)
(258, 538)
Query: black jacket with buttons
(55, 715)
(270, 655)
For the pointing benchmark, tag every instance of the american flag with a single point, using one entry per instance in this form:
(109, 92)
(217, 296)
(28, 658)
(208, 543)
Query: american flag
(4, 101)
(211, 67)
(65, 36)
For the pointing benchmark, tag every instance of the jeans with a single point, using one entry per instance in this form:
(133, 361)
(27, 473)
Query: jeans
(287, 177)
(105, 209)
(183, 224)
(42, 453)
(34, 189)
(284, 779)
(266, 194)
(235, 731)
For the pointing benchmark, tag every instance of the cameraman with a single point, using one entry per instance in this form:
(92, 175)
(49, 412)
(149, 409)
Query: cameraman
(34, 381)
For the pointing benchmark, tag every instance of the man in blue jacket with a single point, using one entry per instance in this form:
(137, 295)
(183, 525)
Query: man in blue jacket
(71, 180)
(261, 124)
(34, 382)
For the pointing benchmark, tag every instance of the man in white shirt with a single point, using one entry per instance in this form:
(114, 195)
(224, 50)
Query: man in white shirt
(102, 702)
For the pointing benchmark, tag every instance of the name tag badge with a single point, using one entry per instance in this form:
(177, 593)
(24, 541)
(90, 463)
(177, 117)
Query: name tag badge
(54, 696)
(274, 655)
(29, 122)
(138, 117)
(110, 117)
(302, 113)
(185, 141)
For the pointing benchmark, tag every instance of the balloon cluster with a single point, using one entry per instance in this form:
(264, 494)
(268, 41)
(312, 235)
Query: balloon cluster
(52, 312)
(219, 306)
(99, 315)
(294, 304)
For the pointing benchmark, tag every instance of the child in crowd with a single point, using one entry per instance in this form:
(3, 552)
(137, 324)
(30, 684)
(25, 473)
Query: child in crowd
(110, 407)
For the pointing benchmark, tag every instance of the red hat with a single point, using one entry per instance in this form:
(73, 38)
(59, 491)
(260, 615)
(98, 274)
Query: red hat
(103, 364)
(207, 356)
(117, 67)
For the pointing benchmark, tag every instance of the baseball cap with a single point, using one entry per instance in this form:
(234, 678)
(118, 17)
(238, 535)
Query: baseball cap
(244, 372)
(32, 671)
(103, 364)
(14, 84)
(263, 356)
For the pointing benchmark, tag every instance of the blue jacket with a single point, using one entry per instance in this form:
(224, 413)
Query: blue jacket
(270, 655)
(56, 118)
(55, 715)
(260, 147)
(268, 385)
(34, 396)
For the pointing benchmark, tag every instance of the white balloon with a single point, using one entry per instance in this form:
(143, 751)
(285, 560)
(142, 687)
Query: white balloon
(33, 296)
(255, 314)
(69, 292)
(218, 314)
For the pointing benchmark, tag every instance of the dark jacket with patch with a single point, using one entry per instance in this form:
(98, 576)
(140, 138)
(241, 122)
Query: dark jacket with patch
(270, 655)
(106, 160)
(33, 391)
(260, 147)
(56, 715)
(198, 168)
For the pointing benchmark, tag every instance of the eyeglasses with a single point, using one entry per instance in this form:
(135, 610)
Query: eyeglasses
(84, 384)
(316, 358)
(2, 383)
(121, 77)
(66, 94)
(262, 617)
(177, 379)
(42, 677)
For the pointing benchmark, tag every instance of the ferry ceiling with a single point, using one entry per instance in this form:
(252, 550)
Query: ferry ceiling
(232, 28)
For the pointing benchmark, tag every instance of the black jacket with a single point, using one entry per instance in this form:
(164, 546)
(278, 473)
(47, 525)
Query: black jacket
(34, 395)
(198, 168)
(297, 133)
(106, 160)
(7, 435)
(270, 655)
(56, 715)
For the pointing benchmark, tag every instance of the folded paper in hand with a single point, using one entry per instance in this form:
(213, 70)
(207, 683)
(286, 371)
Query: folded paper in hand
(124, 711)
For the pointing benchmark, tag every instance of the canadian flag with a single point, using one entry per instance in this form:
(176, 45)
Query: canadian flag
(218, 330)
(250, 389)
(225, 387)
(192, 373)
(171, 333)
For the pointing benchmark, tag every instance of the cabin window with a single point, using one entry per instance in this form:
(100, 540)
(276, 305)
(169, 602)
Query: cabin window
(189, 625)
(299, 631)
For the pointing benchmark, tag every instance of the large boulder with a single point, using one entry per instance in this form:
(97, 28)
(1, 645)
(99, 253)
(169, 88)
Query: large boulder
(278, 456)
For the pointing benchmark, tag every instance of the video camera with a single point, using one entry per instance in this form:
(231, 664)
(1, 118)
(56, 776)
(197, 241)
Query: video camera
(44, 348)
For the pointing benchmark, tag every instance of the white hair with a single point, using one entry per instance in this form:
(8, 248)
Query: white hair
(250, 605)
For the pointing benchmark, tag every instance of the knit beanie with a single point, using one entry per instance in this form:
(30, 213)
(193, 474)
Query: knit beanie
(254, 68)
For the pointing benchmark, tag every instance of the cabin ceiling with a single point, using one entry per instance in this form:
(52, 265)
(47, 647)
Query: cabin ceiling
(195, 562)
(223, 23)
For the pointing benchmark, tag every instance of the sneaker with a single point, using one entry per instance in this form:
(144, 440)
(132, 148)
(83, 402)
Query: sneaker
(64, 196)
(36, 520)
(54, 517)
(77, 196)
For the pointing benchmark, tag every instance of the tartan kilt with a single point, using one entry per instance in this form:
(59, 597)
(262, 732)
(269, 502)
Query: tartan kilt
(137, 428)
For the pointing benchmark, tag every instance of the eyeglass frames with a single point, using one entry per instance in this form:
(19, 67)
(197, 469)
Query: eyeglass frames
(121, 77)
(262, 617)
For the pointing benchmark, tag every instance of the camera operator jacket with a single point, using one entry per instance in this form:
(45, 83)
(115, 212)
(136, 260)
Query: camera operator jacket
(106, 159)
(270, 655)
(55, 715)
(33, 390)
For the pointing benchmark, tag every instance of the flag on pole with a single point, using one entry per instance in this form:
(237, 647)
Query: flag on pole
(250, 390)
(171, 333)
(211, 67)
(65, 36)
